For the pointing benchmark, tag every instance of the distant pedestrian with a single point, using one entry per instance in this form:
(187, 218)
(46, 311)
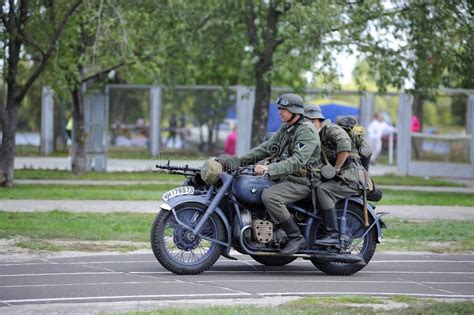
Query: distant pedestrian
(172, 129)
(182, 130)
(230, 142)
(377, 128)
(415, 124)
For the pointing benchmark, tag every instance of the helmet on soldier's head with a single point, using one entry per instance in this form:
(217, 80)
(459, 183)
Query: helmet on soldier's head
(292, 102)
(313, 111)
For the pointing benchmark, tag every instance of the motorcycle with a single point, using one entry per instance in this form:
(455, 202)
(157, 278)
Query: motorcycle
(198, 223)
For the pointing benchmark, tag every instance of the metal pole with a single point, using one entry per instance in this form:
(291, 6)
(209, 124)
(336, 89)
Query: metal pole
(245, 104)
(155, 118)
(367, 108)
(403, 134)
(47, 121)
(470, 130)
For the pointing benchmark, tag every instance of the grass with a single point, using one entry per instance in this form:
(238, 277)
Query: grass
(433, 236)
(125, 176)
(133, 227)
(402, 197)
(335, 305)
(391, 179)
(156, 176)
(154, 191)
(402, 235)
(83, 192)
(45, 245)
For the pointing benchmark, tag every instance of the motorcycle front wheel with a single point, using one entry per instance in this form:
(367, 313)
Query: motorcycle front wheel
(354, 243)
(177, 248)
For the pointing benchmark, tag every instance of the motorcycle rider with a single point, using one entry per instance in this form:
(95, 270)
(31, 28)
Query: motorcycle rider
(292, 151)
(337, 150)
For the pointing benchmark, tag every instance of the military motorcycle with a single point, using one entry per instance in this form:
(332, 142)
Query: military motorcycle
(198, 223)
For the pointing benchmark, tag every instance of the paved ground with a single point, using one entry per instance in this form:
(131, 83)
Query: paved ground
(139, 277)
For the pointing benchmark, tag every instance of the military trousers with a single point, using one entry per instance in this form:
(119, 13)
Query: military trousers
(276, 197)
(330, 192)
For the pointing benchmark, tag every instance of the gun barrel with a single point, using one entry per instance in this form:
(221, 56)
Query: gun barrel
(177, 168)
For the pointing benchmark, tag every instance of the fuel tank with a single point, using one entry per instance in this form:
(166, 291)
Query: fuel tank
(248, 188)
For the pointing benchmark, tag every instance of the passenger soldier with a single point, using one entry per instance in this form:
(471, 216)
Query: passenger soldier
(338, 151)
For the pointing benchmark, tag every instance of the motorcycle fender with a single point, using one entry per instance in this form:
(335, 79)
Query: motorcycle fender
(170, 204)
(377, 218)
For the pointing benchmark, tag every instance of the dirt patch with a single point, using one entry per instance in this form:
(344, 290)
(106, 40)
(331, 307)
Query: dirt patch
(22, 248)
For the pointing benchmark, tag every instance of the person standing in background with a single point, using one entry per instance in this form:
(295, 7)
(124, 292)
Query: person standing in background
(172, 128)
(415, 124)
(230, 142)
(377, 128)
(182, 130)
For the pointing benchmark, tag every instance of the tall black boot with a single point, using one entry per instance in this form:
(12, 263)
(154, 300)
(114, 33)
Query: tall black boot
(332, 229)
(296, 240)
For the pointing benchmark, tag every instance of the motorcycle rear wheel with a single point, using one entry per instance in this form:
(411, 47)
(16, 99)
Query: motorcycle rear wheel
(273, 260)
(177, 249)
(354, 244)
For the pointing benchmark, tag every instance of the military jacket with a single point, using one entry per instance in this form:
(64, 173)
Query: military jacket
(291, 149)
(334, 139)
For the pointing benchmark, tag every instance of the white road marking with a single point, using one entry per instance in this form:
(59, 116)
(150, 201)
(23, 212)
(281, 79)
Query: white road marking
(231, 272)
(213, 295)
(298, 261)
(459, 296)
(229, 281)
(86, 284)
(61, 274)
(313, 271)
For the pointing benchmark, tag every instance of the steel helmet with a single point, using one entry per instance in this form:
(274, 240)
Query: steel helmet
(313, 111)
(292, 102)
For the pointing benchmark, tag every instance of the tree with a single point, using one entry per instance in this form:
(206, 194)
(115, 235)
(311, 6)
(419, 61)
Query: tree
(103, 37)
(286, 38)
(17, 18)
(424, 42)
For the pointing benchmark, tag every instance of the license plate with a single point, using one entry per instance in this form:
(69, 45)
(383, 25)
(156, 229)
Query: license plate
(185, 190)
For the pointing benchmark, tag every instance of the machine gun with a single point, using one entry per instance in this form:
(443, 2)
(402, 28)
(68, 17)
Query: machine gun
(180, 170)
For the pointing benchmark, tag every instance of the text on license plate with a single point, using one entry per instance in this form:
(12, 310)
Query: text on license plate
(185, 190)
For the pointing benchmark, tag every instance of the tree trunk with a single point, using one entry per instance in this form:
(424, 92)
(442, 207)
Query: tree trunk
(78, 163)
(7, 151)
(418, 108)
(260, 110)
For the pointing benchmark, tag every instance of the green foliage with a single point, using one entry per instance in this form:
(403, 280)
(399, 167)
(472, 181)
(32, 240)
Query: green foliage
(426, 42)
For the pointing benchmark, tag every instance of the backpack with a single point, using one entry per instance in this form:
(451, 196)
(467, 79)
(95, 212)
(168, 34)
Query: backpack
(357, 133)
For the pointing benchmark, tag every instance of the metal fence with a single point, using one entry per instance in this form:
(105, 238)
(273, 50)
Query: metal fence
(197, 119)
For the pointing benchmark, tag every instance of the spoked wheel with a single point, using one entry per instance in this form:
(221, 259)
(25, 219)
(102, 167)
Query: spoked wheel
(354, 243)
(273, 260)
(177, 248)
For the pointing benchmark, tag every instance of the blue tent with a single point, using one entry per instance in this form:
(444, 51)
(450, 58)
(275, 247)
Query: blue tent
(331, 109)
(336, 111)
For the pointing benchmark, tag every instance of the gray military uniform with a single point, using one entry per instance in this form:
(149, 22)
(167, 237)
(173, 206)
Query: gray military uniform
(293, 150)
(333, 141)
